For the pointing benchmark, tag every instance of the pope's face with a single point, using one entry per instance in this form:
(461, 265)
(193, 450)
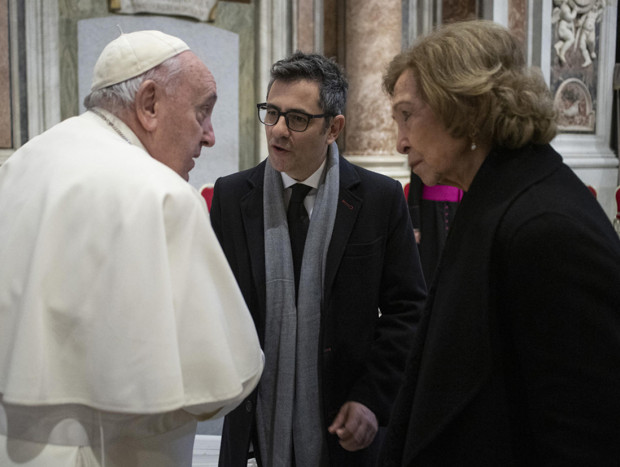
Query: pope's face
(184, 118)
(433, 154)
(298, 154)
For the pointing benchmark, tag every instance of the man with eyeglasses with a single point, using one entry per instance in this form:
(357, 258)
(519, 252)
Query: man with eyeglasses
(325, 256)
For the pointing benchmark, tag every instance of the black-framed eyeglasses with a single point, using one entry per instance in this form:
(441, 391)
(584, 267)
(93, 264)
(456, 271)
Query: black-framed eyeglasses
(296, 120)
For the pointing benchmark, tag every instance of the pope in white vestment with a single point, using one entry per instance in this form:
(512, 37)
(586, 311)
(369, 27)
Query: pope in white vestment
(120, 321)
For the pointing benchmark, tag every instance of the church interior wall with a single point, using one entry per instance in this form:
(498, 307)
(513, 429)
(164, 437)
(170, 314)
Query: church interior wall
(40, 71)
(39, 68)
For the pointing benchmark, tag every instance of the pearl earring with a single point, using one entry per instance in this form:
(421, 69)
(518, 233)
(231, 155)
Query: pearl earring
(473, 146)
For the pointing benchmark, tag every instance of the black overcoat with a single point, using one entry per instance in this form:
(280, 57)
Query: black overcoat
(517, 357)
(372, 265)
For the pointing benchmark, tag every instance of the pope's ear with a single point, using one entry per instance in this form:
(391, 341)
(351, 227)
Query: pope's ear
(335, 128)
(146, 104)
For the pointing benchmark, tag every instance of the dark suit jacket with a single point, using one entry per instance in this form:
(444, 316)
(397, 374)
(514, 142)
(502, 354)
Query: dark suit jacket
(372, 264)
(517, 356)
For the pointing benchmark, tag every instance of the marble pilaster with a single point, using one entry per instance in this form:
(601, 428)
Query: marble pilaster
(419, 18)
(42, 62)
(333, 30)
(6, 140)
(517, 19)
(238, 17)
(372, 38)
(305, 26)
(316, 26)
(275, 40)
(33, 52)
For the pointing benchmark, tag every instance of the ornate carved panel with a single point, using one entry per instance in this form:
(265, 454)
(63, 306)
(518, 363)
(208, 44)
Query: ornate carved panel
(574, 62)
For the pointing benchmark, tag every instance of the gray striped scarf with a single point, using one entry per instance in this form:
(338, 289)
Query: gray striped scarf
(288, 410)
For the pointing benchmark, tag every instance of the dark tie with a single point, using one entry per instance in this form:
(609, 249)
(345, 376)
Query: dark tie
(298, 221)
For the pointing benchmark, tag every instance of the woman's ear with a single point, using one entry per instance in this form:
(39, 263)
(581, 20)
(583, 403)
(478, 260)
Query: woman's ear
(146, 103)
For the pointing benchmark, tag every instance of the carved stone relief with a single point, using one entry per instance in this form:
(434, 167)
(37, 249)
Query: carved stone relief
(574, 62)
(575, 26)
(573, 103)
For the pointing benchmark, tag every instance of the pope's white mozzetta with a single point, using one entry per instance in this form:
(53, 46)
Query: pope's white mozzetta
(116, 303)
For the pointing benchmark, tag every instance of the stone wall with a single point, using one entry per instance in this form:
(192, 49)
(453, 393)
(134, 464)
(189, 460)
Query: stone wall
(234, 17)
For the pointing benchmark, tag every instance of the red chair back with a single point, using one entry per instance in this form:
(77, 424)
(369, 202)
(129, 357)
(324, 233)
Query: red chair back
(207, 193)
(592, 190)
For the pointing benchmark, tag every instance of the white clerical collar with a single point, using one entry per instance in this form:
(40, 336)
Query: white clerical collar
(313, 180)
(115, 124)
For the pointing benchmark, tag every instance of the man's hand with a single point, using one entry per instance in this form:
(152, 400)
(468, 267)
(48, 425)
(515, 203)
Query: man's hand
(355, 425)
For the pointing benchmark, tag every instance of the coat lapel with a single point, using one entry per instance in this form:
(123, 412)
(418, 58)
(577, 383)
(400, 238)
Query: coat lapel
(349, 205)
(252, 215)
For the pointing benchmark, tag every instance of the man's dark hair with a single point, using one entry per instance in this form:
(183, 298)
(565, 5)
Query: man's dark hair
(326, 72)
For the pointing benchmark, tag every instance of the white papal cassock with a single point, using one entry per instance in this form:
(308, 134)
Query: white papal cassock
(119, 315)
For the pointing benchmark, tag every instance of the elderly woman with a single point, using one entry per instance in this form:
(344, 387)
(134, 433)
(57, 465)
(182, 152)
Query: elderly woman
(517, 359)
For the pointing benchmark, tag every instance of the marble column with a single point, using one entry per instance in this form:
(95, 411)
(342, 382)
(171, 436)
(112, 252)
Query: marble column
(275, 40)
(34, 42)
(372, 37)
(305, 26)
(459, 10)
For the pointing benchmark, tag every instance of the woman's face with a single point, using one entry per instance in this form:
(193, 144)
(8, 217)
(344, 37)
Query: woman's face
(433, 154)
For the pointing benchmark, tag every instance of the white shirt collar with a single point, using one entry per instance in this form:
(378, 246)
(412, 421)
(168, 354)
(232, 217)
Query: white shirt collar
(313, 180)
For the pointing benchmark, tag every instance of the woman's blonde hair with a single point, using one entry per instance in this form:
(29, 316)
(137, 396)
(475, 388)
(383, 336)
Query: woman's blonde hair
(473, 76)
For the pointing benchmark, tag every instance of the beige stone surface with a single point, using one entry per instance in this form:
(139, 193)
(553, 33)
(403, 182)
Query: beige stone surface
(373, 37)
(458, 10)
(331, 28)
(238, 17)
(305, 26)
(517, 19)
(70, 12)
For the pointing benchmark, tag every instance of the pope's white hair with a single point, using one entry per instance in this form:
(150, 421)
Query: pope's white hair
(122, 95)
